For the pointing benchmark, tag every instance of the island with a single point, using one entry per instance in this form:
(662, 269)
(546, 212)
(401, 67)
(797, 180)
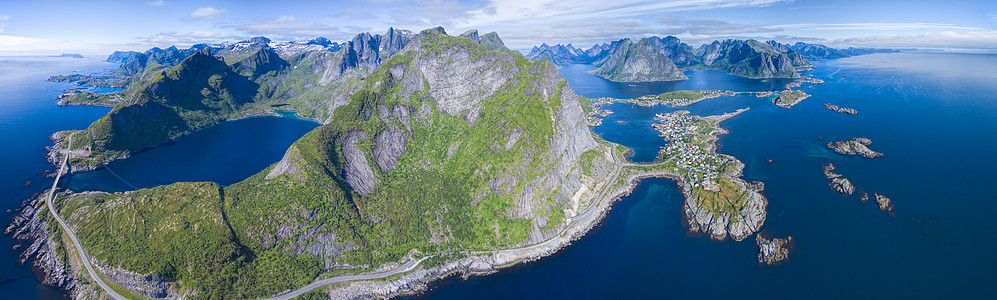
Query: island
(884, 203)
(415, 177)
(844, 110)
(838, 183)
(717, 201)
(68, 55)
(855, 146)
(789, 98)
(773, 251)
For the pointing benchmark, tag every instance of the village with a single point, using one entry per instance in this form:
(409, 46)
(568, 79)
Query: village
(687, 135)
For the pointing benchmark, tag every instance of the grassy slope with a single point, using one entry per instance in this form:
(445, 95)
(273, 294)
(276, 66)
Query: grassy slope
(183, 230)
(197, 94)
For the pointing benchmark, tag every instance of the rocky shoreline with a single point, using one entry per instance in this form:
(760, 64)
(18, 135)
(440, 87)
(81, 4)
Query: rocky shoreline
(855, 146)
(844, 110)
(32, 226)
(773, 251)
(57, 140)
(419, 280)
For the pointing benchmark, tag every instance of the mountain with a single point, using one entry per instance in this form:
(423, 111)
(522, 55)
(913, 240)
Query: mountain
(166, 100)
(490, 40)
(640, 61)
(748, 58)
(738, 57)
(799, 62)
(120, 56)
(680, 53)
(563, 55)
(448, 145)
(819, 52)
(69, 55)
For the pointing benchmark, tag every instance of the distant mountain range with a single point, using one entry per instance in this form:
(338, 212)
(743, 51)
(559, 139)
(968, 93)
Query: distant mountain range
(430, 141)
(659, 59)
(69, 55)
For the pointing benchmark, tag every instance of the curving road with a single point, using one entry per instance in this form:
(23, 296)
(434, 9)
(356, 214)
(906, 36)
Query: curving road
(76, 242)
(412, 264)
(317, 284)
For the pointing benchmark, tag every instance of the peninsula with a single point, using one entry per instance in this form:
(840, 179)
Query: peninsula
(409, 181)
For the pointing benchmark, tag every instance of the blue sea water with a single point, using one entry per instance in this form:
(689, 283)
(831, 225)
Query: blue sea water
(224, 153)
(933, 115)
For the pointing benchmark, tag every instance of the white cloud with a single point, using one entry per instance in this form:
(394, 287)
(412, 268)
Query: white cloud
(532, 12)
(19, 45)
(875, 26)
(155, 3)
(206, 13)
(185, 38)
(4, 19)
(711, 27)
(984, 39)
(289, 28)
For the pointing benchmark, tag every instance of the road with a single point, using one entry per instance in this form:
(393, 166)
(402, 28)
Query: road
(324, 282)
(72, 236)
(412, 264)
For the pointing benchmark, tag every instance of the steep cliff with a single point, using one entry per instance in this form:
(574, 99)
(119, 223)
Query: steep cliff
(447, 145)
(747, 58)
(640, 61)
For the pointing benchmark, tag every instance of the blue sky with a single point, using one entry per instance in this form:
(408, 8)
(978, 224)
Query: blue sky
(98, 27)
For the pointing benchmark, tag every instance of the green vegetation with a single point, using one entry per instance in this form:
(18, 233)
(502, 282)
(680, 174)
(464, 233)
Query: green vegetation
(683, 94)
(88, 98)
(252, 239)
(788, 98)
(728, 198)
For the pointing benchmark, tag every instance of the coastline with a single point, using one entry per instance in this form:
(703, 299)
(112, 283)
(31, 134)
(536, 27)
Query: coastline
(57, 139)
(421, 280)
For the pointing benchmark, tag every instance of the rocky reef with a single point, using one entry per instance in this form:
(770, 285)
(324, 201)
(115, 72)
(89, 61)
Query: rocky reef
(773, 251)
(838, 183)
(855, 146)
(33, 226)
(884, 202)
(844, 110)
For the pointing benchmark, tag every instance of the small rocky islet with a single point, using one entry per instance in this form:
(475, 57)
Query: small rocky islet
(771, 250)
(855, 146)
(844, 110)
(843, 185)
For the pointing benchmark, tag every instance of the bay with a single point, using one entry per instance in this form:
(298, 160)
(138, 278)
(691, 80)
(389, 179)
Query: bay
(933, 115)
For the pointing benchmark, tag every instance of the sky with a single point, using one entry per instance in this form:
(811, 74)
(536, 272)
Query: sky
(43, 27)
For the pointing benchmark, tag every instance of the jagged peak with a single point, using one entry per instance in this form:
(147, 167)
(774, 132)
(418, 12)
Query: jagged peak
(437, 29)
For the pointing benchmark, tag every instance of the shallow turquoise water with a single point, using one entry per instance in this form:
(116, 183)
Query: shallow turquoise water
(933, 115)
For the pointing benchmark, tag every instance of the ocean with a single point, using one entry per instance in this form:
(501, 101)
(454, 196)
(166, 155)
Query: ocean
(225, 153)
(931, 114)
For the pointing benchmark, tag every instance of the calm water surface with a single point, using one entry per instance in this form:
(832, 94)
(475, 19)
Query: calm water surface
(933, 115)
(225, 153)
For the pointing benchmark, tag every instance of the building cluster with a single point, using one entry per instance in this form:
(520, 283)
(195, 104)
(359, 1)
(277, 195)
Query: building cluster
(681, 130)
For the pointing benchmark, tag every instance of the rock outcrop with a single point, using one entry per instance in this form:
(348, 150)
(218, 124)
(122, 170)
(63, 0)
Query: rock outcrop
(842, 185)
(31, 225)
(855, 146)
(884, 202)
(844, 110)
(772, 251)
(737, 225)
(838, 183)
